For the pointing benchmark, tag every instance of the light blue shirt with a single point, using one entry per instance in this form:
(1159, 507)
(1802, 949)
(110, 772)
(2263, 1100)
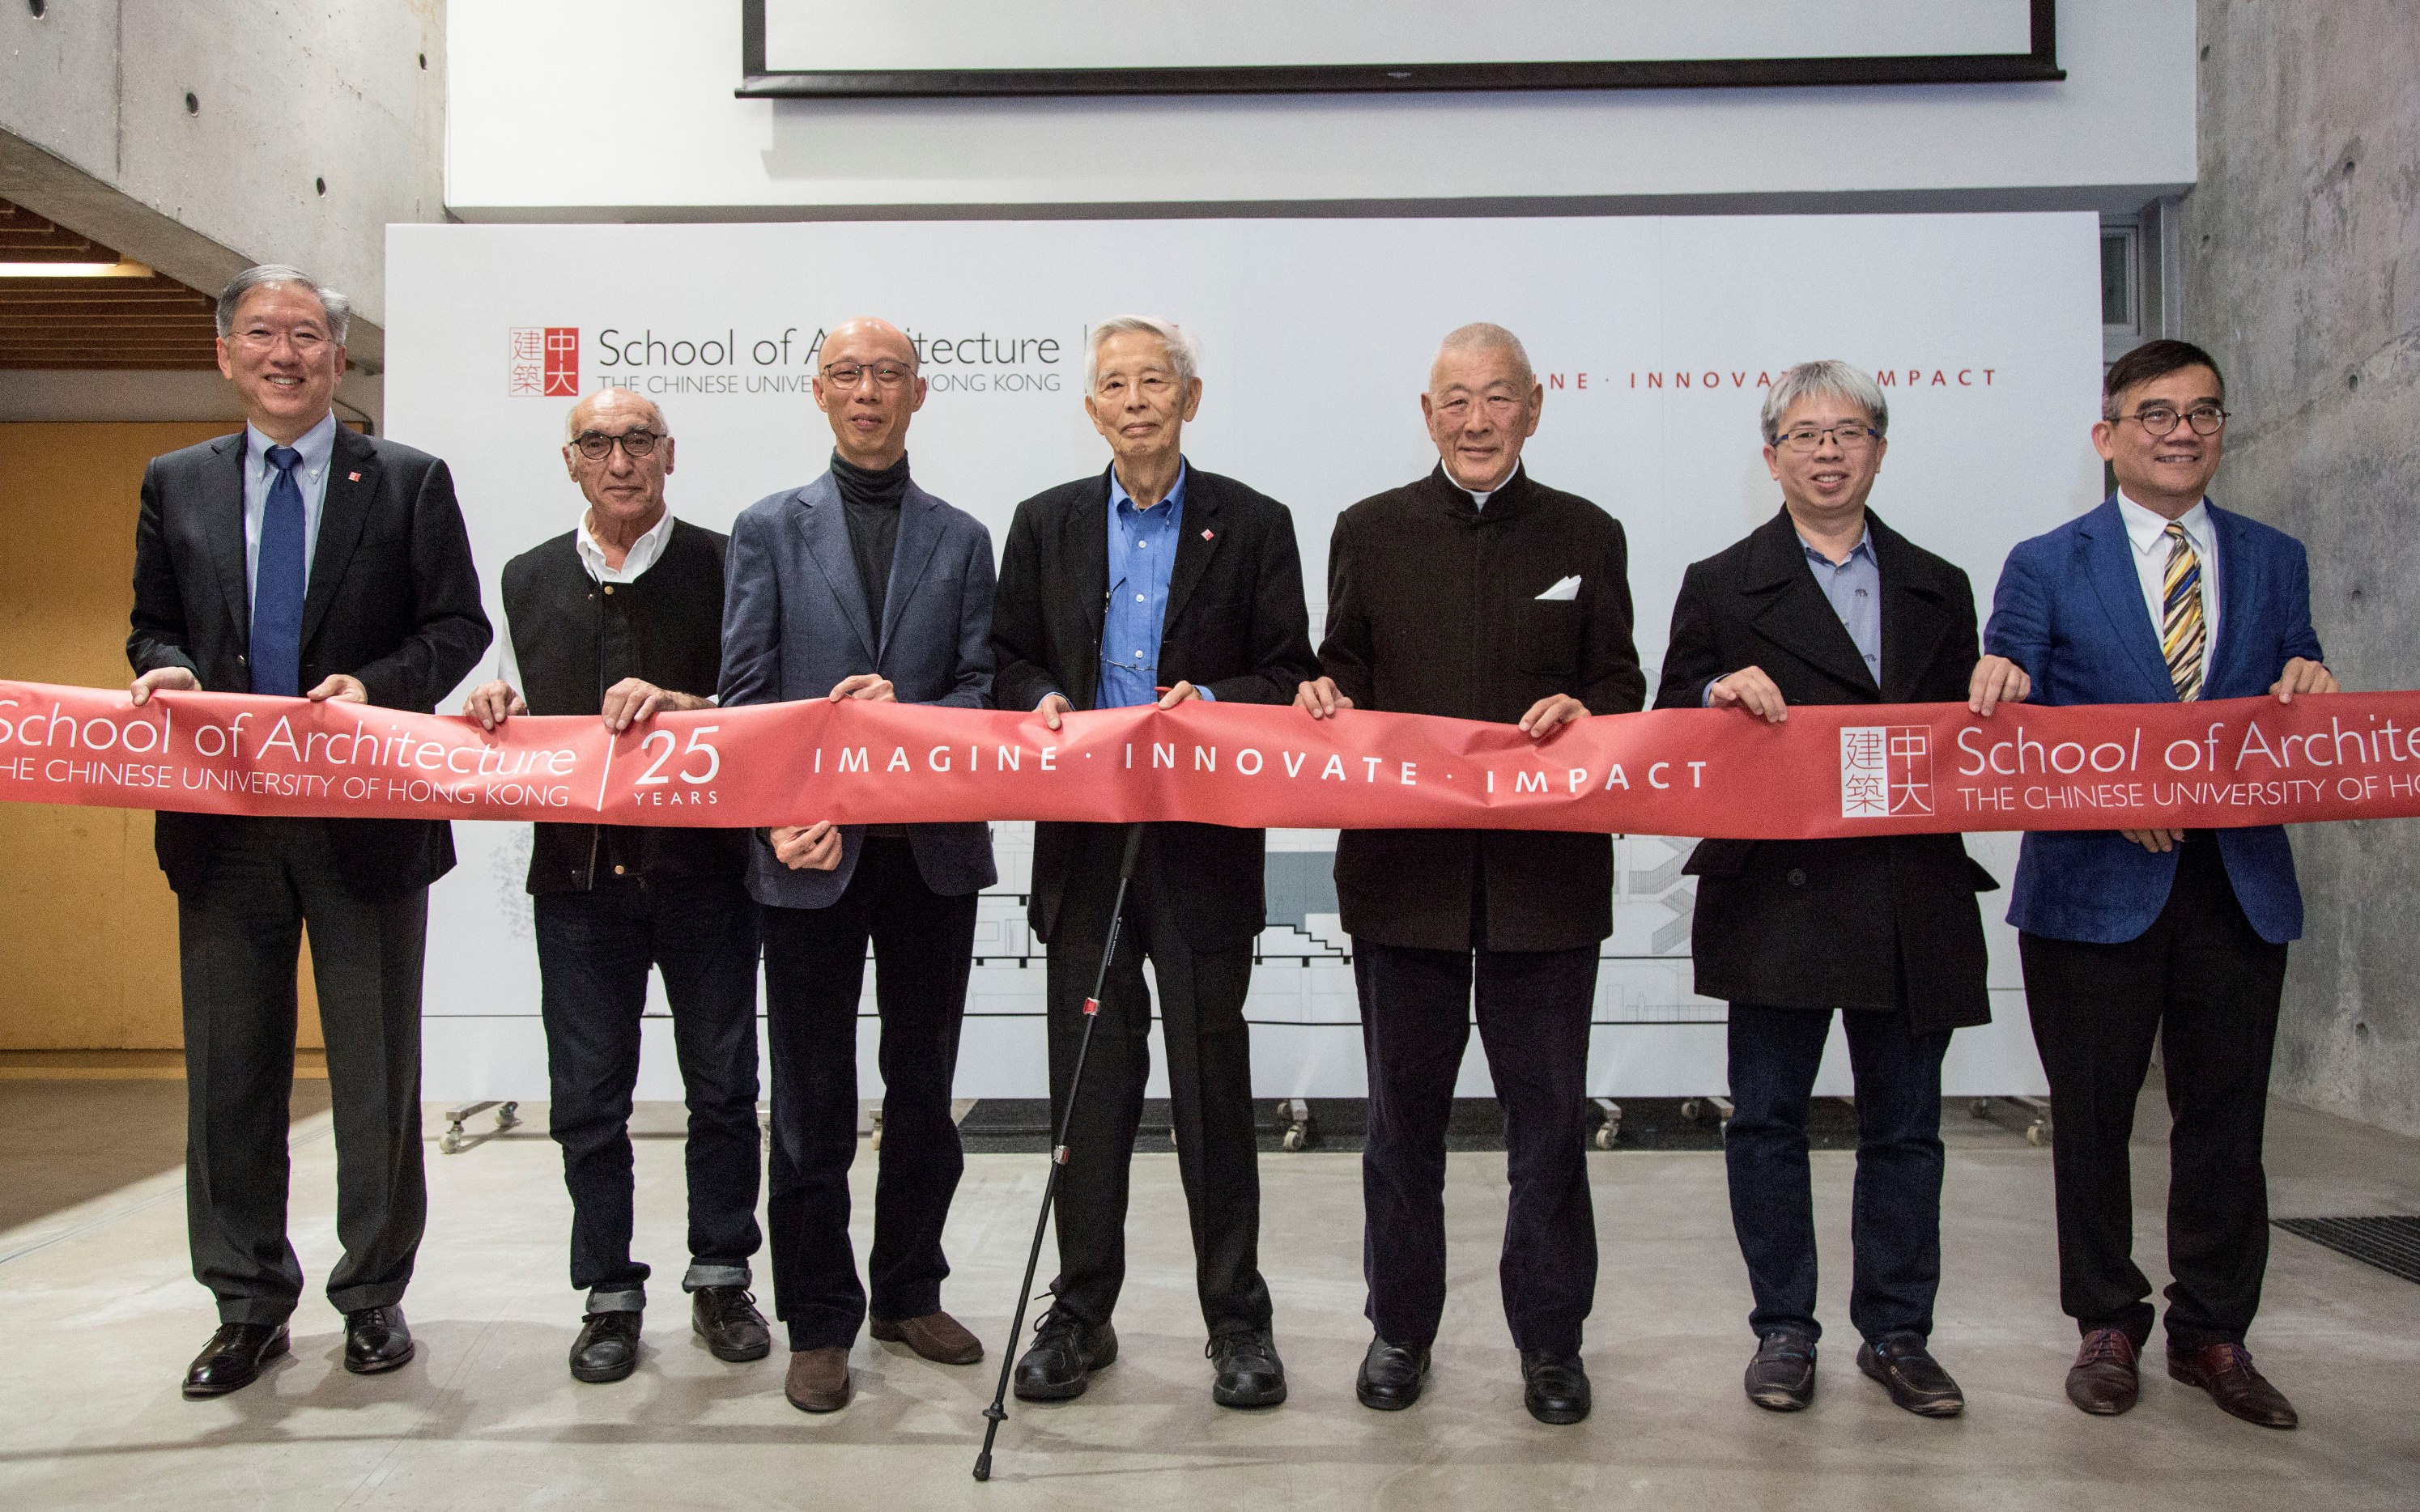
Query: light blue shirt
(1854, 588)
(1142, 557)
(319, 448)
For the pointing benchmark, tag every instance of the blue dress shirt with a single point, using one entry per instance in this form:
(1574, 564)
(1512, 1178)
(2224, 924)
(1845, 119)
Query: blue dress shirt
(1142, 556)
(319, 447)
(1855, 589)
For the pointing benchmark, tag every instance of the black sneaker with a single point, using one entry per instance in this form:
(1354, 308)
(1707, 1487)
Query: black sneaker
(607, 1348)
(1066, 1351)
(726, 1317)
(1249, 1372)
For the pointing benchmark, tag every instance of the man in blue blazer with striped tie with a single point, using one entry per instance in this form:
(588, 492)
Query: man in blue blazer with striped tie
(2173, 935)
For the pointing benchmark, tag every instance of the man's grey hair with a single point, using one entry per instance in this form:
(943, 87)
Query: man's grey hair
(571, 416)
(1480, 336)
(339, 309)
(1183, 356)
(1828, 377)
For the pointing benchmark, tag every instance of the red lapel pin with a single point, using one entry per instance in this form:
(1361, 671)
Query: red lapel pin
(352, 477)
(1207, 536)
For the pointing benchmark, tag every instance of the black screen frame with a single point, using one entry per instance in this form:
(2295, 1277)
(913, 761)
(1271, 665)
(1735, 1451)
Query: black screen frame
(2039, 65)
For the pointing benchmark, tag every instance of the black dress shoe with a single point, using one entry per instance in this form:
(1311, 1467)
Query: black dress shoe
(233, 1357)
(2105, 1381)
(1390, 1376)
(2224, 1371)
(726, 1317)
(1782, 1377)
(1249, 1372)
(375, 1339)
(607, 1348)
(1913, 1379)
(1555, 1387)
(1066, 1351)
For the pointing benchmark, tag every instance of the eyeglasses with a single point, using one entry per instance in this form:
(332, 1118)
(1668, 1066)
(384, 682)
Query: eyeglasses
(2161, 419)
(849, 375)
(597, 446)
(1849, 438)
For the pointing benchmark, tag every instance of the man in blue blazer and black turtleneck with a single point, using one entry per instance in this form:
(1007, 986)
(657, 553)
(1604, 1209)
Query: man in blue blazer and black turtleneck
(2177, 936)
(862, 585)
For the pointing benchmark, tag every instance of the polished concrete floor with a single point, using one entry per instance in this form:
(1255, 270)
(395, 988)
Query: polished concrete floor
(99, 1316)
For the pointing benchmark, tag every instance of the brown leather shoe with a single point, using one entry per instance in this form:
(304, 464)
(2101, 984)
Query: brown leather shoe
(936, 1337)
(819, 1380)
(2105, 1379)
(2224, 1371)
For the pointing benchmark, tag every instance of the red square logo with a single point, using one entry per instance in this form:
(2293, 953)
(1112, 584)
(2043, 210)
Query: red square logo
(543, 362)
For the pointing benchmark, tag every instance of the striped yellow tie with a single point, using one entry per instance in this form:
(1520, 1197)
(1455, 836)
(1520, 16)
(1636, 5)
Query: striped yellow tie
(2182, 635)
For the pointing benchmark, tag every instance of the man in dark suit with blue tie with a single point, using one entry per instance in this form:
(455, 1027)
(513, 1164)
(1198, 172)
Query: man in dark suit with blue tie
(300, 558)
(2170, 936)
(862, 585)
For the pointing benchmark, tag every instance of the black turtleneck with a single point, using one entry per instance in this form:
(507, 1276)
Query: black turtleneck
(871, 502)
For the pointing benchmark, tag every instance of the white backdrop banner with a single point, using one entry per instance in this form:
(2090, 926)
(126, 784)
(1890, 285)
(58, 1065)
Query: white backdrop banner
(1655, 339)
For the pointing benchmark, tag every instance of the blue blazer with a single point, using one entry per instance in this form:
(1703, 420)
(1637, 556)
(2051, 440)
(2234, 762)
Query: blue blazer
(795, 623)
(2070, 610)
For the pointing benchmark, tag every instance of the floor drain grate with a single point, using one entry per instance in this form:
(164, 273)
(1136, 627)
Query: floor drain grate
(2392, 1245)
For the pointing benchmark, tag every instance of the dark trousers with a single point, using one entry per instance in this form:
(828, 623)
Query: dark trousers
(239, 935)
(1533, 1011)
(593, 951)
(1895, 1216)
(2206, 985)
(815, 972)
(1209, 1084)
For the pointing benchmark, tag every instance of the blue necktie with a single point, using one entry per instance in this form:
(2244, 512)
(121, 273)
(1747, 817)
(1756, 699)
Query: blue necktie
(277, 583)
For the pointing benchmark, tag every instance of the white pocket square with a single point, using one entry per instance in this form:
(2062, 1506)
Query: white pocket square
(1562, 593)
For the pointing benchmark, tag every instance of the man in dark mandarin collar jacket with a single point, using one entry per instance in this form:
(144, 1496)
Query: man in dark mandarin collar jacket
(1478, 594)
(1826, 604)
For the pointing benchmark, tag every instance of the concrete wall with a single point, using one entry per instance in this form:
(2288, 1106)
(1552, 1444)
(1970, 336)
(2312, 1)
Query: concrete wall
(629, 116)
(94, 132)
(2301, 259)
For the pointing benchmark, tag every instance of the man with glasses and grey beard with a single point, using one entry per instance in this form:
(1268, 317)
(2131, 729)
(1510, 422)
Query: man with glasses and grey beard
(621, 618)
(1826, 604)
(862, 585)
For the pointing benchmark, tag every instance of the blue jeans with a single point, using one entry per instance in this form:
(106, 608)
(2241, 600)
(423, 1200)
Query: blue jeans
(1895, 1220)
(593, 951)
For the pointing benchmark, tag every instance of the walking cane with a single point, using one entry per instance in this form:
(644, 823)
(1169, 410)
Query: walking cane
(997, 1410)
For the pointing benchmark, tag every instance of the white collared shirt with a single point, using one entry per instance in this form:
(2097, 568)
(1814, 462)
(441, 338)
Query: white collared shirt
(644, 553)
(2146, 532)
(319, 448)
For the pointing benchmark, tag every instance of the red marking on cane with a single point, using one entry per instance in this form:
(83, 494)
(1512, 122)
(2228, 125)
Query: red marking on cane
(1059, 1155)
(1092, 1006)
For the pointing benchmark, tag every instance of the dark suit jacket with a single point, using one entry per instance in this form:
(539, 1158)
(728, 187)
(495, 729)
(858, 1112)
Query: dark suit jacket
(2070, 610)
(794, 621)
(1433, 608)
(1832, 923)
(1235, 625)
(392, 600)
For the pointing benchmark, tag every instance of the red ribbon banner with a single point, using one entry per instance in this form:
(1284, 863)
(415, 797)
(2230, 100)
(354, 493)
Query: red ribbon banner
(1828, 771)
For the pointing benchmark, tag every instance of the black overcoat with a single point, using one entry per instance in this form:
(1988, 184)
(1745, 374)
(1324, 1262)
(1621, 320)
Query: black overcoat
(1832, 923)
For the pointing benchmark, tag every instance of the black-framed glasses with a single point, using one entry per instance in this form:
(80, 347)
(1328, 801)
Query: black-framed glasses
(849, 375)
(1850, 437)
(2161, 419)
(597, 446)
